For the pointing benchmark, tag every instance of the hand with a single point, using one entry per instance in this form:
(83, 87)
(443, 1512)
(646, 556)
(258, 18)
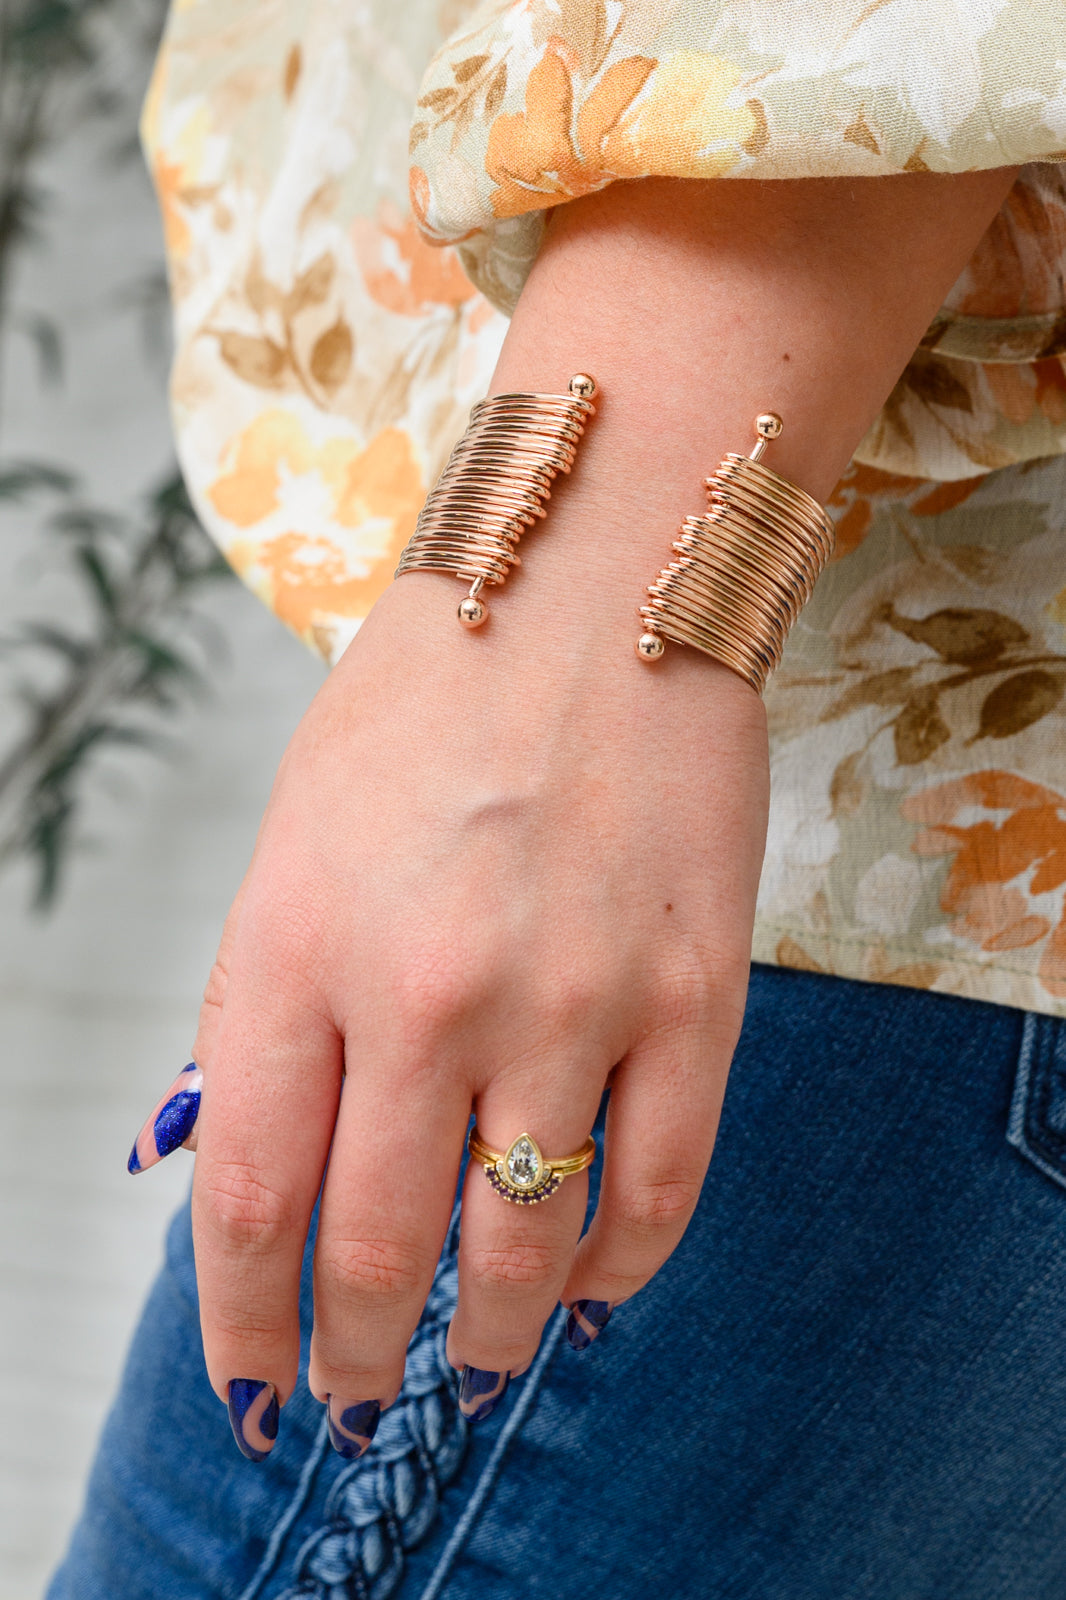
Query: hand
(521, 866)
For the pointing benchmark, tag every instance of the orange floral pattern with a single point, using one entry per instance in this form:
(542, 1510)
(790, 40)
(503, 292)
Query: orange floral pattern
(640, 116)
(402, 273)
(1009, 858)
(537, 102)
(329, 344)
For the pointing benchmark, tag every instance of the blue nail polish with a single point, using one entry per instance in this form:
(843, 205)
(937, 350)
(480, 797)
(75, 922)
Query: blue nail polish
(172, 1121)
(351, 1428)
(481, 1392)
(253, 1415)
(586, 1321)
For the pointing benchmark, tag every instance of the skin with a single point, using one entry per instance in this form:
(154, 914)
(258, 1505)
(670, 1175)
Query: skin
(500, 869)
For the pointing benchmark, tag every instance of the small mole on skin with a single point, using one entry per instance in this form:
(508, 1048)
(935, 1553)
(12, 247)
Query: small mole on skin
(786, 356)
(669, 907)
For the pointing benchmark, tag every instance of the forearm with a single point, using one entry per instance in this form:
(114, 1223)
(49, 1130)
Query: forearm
(698, 305)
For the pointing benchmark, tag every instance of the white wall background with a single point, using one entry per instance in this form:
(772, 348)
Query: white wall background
(98, 1002)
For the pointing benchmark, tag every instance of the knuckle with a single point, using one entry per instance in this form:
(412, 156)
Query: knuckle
(284, 928)
(434, 992)
(657, 1206)
(240, 1321)
(703, 996)
(569, 1004)
(686, 997)
(513, 1266)
(384, 1271)
(244, 1210)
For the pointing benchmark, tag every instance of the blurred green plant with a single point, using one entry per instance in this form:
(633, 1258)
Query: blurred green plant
(138, 655)
(104, 684)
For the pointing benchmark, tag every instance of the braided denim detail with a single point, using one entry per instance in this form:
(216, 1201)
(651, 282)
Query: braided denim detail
(384, 1503)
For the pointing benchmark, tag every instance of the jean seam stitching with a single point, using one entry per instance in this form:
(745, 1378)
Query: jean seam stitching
(271, 1557)
(1043, 1138)
(1027, 1128)
(1019, 1108)
(490, 1472)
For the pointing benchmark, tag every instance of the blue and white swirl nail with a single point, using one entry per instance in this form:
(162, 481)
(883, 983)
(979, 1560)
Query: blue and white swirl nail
(586, 1321)
(351, 1428)
(480, 1392)
(171, 1122)
(253, 1416)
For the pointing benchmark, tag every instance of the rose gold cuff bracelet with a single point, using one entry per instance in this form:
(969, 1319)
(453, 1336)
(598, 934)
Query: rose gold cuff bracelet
(495, 484)
(744, 570)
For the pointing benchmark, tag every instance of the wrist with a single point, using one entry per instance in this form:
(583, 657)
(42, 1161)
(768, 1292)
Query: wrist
(555, 659)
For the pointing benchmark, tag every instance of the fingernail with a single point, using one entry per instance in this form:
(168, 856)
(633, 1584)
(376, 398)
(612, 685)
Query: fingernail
(171, 1122)
(586, 1321)
(481, 1392)
(351, 1428)
(253, 1416)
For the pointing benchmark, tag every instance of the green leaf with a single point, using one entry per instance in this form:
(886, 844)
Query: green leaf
(133, 738)
(99, 579)
(86, 522)
(158, 657)
(76, 651)
(172, 497)
(20, 478)
(51, 32)
(45, 336)
(49, 838)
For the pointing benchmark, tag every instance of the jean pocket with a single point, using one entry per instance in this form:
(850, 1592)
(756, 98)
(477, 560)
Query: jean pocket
(1037, 1123)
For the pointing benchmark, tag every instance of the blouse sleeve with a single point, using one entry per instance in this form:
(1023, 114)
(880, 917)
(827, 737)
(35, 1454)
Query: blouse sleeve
(535, 102)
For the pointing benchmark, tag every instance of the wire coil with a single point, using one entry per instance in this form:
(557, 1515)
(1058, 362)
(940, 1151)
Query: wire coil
(744, 570)
(495, 484)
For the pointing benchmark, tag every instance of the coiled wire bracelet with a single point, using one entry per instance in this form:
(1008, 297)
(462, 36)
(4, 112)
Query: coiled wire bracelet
(744, 570)
(495, 484)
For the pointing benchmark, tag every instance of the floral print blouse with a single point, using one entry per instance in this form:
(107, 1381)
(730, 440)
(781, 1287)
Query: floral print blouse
(352, 196)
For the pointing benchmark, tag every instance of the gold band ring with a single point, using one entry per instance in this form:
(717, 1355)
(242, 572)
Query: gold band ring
(521, 1174)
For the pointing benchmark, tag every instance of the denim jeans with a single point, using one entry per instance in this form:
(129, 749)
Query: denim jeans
(849, 1380)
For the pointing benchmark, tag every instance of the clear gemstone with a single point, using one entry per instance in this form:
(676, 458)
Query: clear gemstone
(523, 1163)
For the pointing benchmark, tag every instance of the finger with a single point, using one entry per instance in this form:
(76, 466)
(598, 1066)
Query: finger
(267, 1115)
(386, 1204)
(514, 1258)
(666, 1099)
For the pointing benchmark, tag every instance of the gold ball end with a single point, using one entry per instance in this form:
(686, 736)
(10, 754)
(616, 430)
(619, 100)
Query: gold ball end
(582, 386)
(471, 612)
(650, 647)
(768, 425)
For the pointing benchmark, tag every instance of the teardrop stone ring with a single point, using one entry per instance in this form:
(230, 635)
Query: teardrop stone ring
(521, 1174)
